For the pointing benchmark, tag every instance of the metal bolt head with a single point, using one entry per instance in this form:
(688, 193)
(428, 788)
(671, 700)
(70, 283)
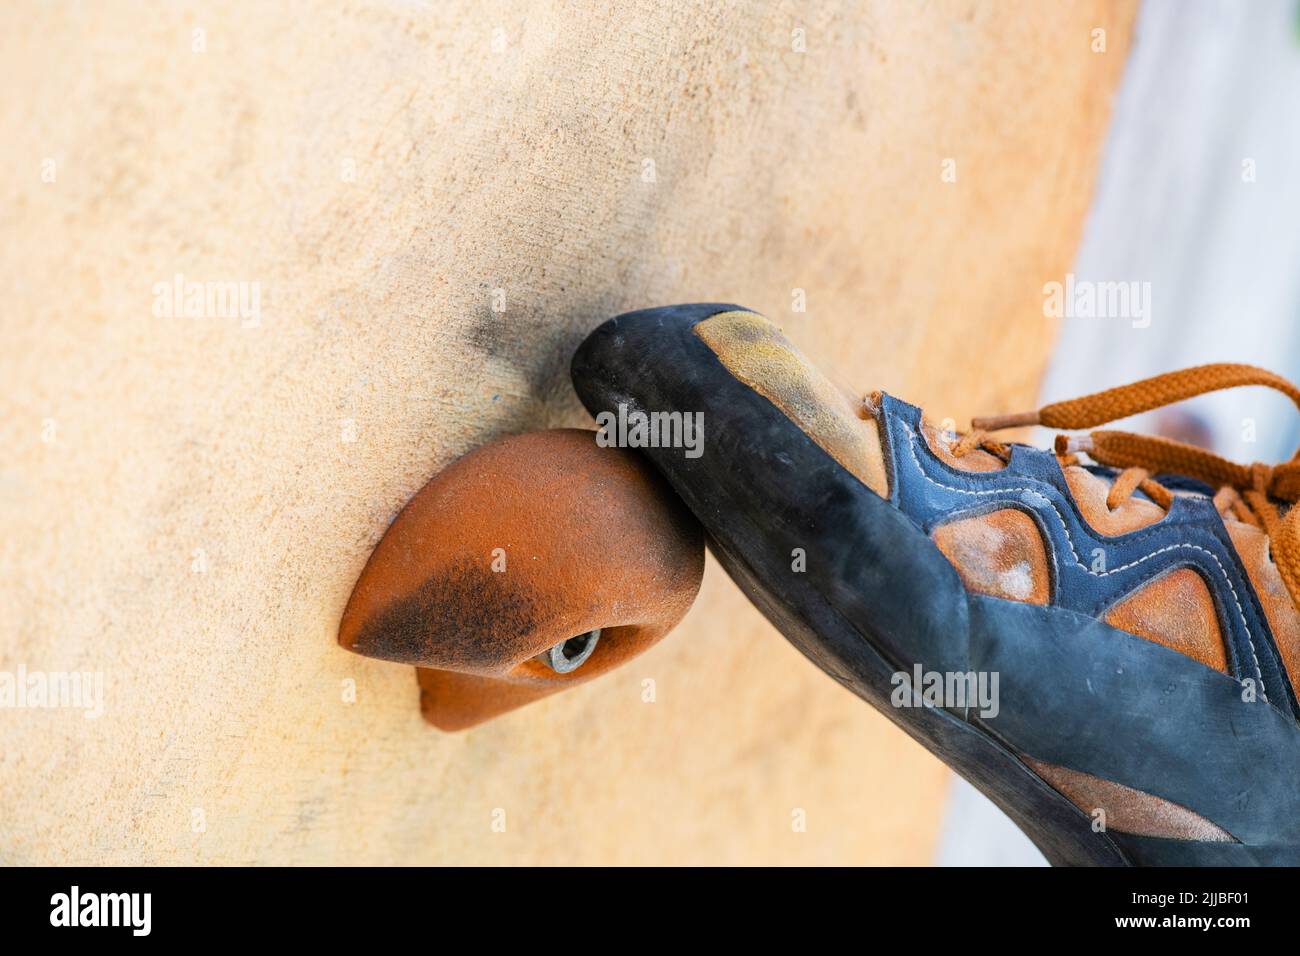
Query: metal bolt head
(567, 656)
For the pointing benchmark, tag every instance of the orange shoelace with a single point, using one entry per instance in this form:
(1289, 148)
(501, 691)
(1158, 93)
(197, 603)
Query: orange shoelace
(1251, 493)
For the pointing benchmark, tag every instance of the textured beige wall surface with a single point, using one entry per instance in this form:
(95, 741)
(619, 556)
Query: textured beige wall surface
(494, 146)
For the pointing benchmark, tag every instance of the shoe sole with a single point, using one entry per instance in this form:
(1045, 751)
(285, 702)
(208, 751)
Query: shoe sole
(877, 597)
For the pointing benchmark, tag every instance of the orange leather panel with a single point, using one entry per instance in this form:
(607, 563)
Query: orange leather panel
(1175, 610)
(1128, 810)
(1000, 554)
(1283, 618)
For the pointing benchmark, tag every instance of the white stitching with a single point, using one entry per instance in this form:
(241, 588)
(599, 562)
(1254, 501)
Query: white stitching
(911, 444)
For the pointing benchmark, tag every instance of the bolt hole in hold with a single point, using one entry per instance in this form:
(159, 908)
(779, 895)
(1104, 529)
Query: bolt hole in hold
(568, 656)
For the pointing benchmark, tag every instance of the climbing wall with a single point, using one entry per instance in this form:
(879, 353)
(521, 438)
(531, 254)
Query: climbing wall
(412, 214)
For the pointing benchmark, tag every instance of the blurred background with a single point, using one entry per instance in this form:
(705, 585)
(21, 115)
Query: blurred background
(1197, 197)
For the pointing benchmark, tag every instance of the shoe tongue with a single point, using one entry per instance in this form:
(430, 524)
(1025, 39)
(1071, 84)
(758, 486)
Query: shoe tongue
(1090, 486)
(940, 442)
(1179, 484)
(1185, 483)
